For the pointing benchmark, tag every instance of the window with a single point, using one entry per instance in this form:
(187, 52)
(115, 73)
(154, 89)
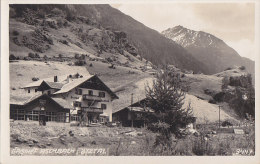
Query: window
(74, 117)
(51, 116)
(77, 104)
(35, 112)
(49, 92)
(78, 91)
(90, 92)
(35, 90)
(102, 94)
(33, 115)
(18, 114)
(103, 106)
(61, 117)
(28, 90)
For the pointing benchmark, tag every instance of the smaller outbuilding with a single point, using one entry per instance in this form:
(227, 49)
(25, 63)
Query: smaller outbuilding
(133, 115)
(42, 108)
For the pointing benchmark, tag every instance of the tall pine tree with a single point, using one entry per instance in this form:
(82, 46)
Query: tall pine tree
(166, 97)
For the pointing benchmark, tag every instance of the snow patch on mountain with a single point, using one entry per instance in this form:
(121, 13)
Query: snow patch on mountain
(186, 37)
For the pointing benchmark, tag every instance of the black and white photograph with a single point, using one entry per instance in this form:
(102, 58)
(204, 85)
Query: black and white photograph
(147, 79)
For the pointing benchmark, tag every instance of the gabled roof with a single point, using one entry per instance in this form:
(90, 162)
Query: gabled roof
(61, 102)
(136, 109)
(74, 83)
(54, 85)
(32, 98)
(121, 104)
(33, 84)
(20, 100)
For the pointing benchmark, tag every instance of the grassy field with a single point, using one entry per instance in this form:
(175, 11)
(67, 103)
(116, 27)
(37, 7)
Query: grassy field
(22, 72)
(199, 82)
(127, 141)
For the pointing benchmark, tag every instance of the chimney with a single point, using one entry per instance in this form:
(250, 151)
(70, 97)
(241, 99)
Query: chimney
(69, 78)
(55, 78)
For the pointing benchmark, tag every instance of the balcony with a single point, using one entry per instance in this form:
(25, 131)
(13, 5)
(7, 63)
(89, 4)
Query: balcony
(92, 109)
(92, 98)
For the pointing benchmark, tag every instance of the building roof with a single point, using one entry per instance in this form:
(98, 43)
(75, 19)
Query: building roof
(74, 83)
(136, 109)
(61, 79)
(124, 103)
(54, 85)
(18, 100)
(62, 102)
(33, 84)
(32, 98)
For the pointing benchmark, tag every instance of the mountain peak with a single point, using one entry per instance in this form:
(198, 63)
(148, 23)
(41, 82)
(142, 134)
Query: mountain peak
(179, 27)
(186, 37)
(207, 48)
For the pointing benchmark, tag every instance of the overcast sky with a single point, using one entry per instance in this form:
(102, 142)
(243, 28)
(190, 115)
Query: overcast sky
(231, 22)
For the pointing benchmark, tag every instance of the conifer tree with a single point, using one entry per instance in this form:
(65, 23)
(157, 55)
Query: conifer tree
(166, 97)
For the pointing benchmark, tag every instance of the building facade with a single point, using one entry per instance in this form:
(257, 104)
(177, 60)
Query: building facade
(86, 98)
(133, 115)
(40, 108)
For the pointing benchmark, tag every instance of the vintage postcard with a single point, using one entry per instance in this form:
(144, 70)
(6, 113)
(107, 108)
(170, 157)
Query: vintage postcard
(158, 81)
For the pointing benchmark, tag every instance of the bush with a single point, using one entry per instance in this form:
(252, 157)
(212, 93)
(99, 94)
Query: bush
(242, 68)
(112, 66)
(31, 55)
(79, 62)
(243, 101)
(64, 42)
(109, 60)
(37, 55)
(15, 33)
(35, 79)
(82, 57)
(244, 81)
(45, 57)
(56, 11)
(70, 16)
(202, 147)
(12, 57)
(76, 56)
(229, 68)
(212, 101)
(225, 82)
(219, 97)
(49, 40)
(226, 123)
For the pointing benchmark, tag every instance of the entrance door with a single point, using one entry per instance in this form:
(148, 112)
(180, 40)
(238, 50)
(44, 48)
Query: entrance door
(90, 118)
(42, 118)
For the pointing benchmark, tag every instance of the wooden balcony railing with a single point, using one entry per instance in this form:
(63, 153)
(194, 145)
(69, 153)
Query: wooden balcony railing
(92, 97)
(92, 109)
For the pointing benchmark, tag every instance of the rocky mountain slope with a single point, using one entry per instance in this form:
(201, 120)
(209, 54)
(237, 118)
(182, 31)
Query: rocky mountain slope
(97, 29)
(208, 49)
(52, 32)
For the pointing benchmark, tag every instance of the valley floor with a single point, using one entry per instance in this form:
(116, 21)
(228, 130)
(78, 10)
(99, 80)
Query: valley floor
(124, 141)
